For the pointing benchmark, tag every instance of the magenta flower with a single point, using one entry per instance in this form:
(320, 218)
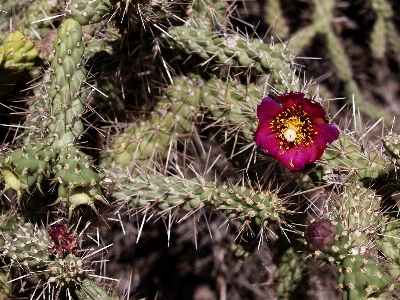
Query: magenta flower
(293, 129)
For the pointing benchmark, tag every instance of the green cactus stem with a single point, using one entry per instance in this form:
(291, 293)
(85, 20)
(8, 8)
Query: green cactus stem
(362, 278)
(347, 159)
(87, 11)
(391, 142)
(290, 272)
(388, 243)
(25, 248)
(90, 289)
(150, 139)
(17, 53)
(208, 13)
(25, 168)
(78, 181)
(357, 212)
(357, 216)
(67, 93)
(250, 206)
(238, 51)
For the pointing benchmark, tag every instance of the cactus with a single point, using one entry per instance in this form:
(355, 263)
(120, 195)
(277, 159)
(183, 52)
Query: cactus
(166, 193)
(290, 272)
(26, 247)
(87, 12)
(78, 182)
(26, 167)
(172, 111)
(17, 53)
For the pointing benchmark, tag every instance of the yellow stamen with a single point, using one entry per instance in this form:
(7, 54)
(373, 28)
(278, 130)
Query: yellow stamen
(293, 127)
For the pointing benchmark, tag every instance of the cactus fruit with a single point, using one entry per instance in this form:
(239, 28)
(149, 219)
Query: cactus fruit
(320, 235)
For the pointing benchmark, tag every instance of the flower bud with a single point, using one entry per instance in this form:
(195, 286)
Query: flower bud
(63, 241)
(320, 235)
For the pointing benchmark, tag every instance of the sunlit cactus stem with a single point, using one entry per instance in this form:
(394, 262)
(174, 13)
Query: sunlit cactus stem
(67, 91)
(238, 202)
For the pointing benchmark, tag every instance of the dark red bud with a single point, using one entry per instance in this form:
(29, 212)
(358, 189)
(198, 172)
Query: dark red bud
(63, 241)
(320, 235)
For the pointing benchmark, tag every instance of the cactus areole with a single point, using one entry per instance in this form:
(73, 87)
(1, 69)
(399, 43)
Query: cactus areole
(293, 129)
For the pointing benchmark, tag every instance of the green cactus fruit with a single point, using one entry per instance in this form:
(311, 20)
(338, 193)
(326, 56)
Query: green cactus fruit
(87, 11)
(26, 168)
(67, 90)
(78, 181)
(362, 278)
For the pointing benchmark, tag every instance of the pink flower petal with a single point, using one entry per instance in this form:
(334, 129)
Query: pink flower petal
(288, 100)
(268, 109)
(328, 132)
(266, 138)
(317, 149)
(295, 158)
(315, 111)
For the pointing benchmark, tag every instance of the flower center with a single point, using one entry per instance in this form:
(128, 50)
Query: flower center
(293, 127)
(290, 134)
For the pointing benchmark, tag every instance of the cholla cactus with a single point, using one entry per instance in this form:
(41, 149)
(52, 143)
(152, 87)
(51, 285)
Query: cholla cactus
(201, 117)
